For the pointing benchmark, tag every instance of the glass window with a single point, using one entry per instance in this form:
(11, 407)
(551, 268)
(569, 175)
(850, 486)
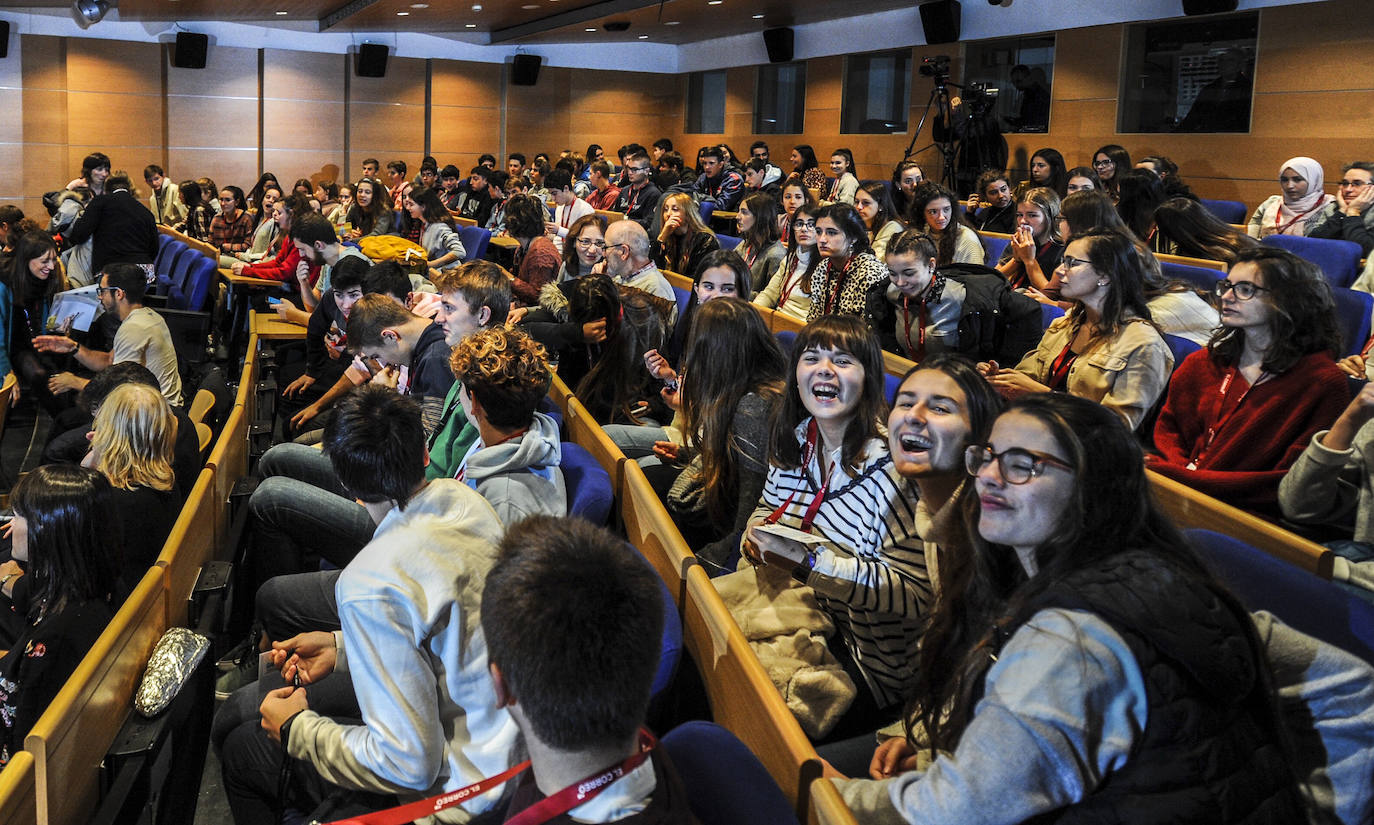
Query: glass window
(1011, 78)
(780, 99)
(706, 103)
(877, 93)
(1192, 75)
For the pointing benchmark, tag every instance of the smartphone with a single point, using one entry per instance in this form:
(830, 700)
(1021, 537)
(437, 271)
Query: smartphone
(273, 301)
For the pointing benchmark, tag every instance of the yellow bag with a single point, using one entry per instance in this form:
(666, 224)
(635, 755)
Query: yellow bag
(380, 248)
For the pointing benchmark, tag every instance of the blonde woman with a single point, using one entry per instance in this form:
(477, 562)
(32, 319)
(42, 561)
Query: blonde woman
(131, 445)
(684, 242)
(1035, 249)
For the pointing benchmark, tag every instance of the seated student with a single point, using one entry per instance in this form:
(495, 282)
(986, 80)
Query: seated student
(844, 184)
(1187, 228)
(588, 248)
(502, 378)
(410, 711)
(874, 205)
(579, 699)
(991, 207)
(919, 310)
(830, 473)
(906, 176)
(713, 479)
(1035, 249)
(198, 219)
(638, 199)
(568, 206)
(1349, 217)
(31, 276)
(131, 445)
(73, 445)
(66, 532)
(1303, 199)
(266, 233)
(307, 380)
(475, 203)
(1332, 482)
(617, 389)
(604, 192)
(411, 350)
(284, 265)
(1139, 194)
(1047, 168)
(1105, 349)
(759, 247)
(231, 231)
(719, 182)
(848, 268)
(371, 213)
(789, 285)
(684, 241)
(1083, 178)
(425, 220)
(449, 193)
(938, 210)
(1087, 637)
(763, 177)
(143, 336)
(536, 259)
(1240, 412)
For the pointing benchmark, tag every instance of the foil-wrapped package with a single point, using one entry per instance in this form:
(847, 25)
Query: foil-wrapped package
(174, 659)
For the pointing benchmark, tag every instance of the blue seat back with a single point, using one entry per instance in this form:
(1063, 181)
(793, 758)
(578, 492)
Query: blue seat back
(1302, 600)
(165, 273)
(1353, 310)
(1048, 312)
(1225, 211)
(590, 493)
(683, 296)
(670, 654)
(890, 385)
(726, 783)
(786, 339)
(727, 241)
(1181, 347)
(994, 247)
(196, 288)
(166, 256)
(1198, 276)
(1338, 260)
(707, 209)
(475, 241)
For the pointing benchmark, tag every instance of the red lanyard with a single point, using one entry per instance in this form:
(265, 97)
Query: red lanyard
(1279, 230)
(789, 284)
(566, 217)
(1369, 345)
(750, 255)
(1059, 370)
(1223, 415)
(542, 811)
(919, 349)
(809, 517)
(832, 301)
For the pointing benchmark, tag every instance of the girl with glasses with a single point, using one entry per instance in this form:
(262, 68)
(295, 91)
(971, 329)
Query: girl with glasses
(1301, 180)
(1110, 161)
(1105, 348)
(1240, 412)
(789, 288)
(794, 194)
(1079, 651)
(588, 247)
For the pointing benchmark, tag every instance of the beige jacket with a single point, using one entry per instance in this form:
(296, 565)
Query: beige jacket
(1127, 373)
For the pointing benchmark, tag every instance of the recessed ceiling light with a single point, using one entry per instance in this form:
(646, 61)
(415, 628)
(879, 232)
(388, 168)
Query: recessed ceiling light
(280, 13)
(714, 2)
(671, 23)
(758, 17)
(476, 6)
(644, 37)
(529, 6)
(469, 25)
(419, 5)
(402, 14)
(589, 30)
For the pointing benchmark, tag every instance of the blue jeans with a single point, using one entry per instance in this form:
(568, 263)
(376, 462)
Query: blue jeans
(301, 506)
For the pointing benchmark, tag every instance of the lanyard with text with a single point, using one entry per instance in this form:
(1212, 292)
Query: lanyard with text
(790, 283)
(918, 351)
(1279, 230)
(809, 517)
(1223, 414)
(1059, 370)
(832, 301)
(546, 809)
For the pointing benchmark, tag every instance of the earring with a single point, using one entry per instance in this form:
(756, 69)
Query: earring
(1101, 283)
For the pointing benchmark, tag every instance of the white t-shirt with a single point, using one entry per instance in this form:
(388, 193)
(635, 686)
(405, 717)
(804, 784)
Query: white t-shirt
(143, 337)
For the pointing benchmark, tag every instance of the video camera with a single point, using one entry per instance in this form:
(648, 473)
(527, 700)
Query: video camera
(980, 97)
(936, 67)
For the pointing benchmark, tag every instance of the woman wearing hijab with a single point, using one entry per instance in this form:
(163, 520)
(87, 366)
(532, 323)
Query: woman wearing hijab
(1301, 180)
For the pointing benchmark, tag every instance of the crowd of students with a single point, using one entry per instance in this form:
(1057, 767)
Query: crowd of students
(983, 549)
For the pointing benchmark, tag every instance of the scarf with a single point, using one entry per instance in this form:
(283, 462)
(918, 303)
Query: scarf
(1311, 171)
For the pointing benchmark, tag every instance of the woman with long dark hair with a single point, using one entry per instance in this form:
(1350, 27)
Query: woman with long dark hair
(1082, 633)
(844, 184)
(1047, 168)
(794, 194)
(199, 215)
(617, 389)
(1105, 348)
(33, 278)
(906, 176)
(255, 205)
(426, 221)
(804, 163)
(1138, 194)
(848, 268)
(875, 206)
(1241, 411)
(1187, 228)
(371, 212)
(1110, 162)
(831, 475)
(1082, 178)
(759, 245)
(66, 532)
(789, 288)
(938, 210)
(536, 259)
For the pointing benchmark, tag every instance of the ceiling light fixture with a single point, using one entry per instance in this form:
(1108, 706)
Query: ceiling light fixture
(758, 17)
(469, 25)
(671, 23)
(644, 37)
(419, 5)
(282, 14)
(589, 30)
(530, 6)
(714, 2)
(476, 6)
(402, 14)
(87, 13)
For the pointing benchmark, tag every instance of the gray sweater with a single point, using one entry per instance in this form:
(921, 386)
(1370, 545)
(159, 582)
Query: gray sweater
(521, 478)
(1326, 486)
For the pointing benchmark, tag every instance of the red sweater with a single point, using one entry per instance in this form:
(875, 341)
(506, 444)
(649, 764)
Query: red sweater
(534, 267)
(283, 266)
(1258, 440)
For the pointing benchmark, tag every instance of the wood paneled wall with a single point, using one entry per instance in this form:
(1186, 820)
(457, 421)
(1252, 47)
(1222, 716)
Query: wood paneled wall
(1313, 96)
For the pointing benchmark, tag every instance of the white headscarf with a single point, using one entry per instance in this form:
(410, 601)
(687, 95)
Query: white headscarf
(1311, 171)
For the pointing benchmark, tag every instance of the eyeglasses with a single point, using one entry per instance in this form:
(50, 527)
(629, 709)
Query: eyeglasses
(801, 224)
(1356, 184)
(110, 289)
(1245, 290)
(587, 243)
(1070, 262)
(1016, 466)
(637, 168)
(1100, 163)
(611, 246)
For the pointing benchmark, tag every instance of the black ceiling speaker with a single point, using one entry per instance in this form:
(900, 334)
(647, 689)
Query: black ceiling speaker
(4, 39)
(941, 21)
(371, 60)
(1192, 7)
(189, 52)
(524, 69)
(779, 44)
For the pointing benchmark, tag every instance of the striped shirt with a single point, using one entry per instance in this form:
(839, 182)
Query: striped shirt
(870, 577)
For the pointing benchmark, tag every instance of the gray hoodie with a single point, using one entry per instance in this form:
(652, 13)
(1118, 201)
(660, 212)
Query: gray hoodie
(521, 478)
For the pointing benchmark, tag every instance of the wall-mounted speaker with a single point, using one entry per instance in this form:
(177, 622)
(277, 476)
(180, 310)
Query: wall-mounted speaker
(189, 51)
(941, 21)
(4, 39)
(779, 44)
(1192, 7)
(524, 69)
(371, 60)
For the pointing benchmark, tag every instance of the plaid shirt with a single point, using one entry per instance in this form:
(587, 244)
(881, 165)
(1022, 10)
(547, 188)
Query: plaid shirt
(199, 223)
(232, 237)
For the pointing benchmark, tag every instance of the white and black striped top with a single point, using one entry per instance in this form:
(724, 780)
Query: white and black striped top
(870, 576)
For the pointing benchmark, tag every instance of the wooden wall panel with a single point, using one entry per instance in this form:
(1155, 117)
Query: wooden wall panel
(464, 112)
(236, 167)
(303, 114)
(212, 118)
